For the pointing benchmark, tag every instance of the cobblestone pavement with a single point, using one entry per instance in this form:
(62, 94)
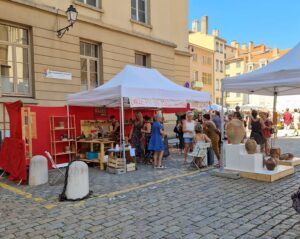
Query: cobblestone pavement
(173, 203)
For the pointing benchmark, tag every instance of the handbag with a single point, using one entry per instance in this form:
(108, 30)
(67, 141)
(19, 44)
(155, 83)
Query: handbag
(296, 201)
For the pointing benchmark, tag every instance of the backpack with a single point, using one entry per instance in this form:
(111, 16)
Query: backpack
(296, 200)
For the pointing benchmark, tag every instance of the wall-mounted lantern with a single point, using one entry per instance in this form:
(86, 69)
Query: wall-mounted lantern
(72, 17)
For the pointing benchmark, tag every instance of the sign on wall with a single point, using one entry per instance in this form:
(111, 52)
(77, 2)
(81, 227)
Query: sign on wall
(58, 75)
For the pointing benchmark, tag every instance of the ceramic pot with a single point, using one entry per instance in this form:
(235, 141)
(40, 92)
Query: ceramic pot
(275, 152)
(287, 156)
(270, 163)
(235, 131)
(251, 146)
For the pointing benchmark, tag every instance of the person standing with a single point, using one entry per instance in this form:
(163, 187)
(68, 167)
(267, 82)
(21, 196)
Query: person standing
(156, 142)
(214, 135)
(287, 120)
(179, 133)
(296, 116)
(256, 125)
(267, 131)
(188, 134)
(217, 120)
(136, 136)
(146, 131)
(115, 133)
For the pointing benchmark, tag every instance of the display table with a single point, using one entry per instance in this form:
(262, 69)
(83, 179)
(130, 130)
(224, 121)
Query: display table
(251, 165)
(294, 162)
(103, 144)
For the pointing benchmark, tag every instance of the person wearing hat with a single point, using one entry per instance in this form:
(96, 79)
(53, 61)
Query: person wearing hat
(188, 134)
(156, 142)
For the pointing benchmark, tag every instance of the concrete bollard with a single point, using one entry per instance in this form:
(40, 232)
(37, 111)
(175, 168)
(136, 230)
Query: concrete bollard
(78, 181)
(38, 170)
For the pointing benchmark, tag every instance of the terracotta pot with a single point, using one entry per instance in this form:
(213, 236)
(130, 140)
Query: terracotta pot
(235, 131)
(275, 152)
(270, 163)
(287, 156)
(251, 146)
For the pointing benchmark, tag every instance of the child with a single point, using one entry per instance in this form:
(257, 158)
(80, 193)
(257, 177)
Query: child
(199, 138)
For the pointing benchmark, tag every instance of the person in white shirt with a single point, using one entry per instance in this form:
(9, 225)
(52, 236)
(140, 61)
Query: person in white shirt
(188, 134)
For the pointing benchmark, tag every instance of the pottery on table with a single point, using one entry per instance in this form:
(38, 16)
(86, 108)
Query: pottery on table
(275, 152)
(270, 163)
(251, 146)
(287, 156)
(235, 131)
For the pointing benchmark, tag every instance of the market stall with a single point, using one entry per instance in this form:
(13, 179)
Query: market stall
(280, 77)
(139, 88)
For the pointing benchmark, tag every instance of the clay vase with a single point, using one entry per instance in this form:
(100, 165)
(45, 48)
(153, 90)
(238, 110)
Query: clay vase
(270, 163)
(235, 131)
(275, 152)
(251, 146)
(287, 156)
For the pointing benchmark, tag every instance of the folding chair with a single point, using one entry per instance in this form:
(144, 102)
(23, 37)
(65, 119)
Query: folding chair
(57, 167)
(199, 151)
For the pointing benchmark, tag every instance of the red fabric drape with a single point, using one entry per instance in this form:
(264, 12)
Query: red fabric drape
(12, 155)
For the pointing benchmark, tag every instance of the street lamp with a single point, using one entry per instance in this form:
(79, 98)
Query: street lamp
(72, 17)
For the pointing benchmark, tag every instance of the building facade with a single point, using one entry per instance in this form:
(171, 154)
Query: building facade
(202, 69)
(215, 43)
(107, 35)
(243, 59)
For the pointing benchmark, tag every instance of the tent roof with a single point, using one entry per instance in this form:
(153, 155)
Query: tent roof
(135, 82)
(281, 76)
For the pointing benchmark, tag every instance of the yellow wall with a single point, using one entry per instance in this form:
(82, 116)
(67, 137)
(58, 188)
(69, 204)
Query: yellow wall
(110, 27)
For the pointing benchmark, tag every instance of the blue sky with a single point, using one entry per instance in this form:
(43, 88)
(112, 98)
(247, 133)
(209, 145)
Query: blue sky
(273, 22)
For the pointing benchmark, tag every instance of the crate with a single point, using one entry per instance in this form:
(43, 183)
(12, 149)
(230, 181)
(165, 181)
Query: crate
(116, 163)
(131, 167)
(115, 170)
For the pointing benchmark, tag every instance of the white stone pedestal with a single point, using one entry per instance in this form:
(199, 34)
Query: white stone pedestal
(38, 171)
(78, 181)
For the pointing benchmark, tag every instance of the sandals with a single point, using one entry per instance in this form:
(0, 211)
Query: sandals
(160, 167)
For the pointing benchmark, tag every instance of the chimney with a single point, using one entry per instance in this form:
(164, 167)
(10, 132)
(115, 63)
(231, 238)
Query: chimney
(215, 32)
(233, 43)
(251, 45)
(244, 47)
(275, 52)
(204, 25)
(195, 25)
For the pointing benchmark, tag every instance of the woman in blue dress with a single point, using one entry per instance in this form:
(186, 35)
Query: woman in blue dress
(156, 141)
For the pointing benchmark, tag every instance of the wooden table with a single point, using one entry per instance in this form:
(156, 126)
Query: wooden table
(102, 143)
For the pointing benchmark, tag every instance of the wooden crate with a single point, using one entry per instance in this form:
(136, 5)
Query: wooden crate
(116, 163)
(294, 162)
(131, 167)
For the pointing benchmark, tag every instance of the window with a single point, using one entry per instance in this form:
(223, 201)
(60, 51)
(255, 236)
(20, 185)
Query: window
(221, 48)
(206, 78)
(227, 66)
(238, 64)
(15, 64)
(206, 60)
(250, 67)
(89, 61)
(93, 3)
(218, 100)
(142, 59)
(195, 76)
(238, 94)
(217, 47)
(139, 10)
(217, 85)
(195, 57)
(227, 75)
(217, 65)
(227, 94)
(221, 66)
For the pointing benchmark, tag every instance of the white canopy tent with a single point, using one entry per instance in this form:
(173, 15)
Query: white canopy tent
(140, 87)
(278, 78)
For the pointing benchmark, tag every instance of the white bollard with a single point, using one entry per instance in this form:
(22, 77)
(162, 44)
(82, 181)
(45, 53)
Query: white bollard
(38, 170)
(78, 181)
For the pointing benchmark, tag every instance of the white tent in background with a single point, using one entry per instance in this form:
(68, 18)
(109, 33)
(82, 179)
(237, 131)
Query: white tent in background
(140, 87)
(281, 77)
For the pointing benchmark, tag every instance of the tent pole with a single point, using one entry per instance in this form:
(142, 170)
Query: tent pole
(222, 163)
(123, 131)
(274, 111)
